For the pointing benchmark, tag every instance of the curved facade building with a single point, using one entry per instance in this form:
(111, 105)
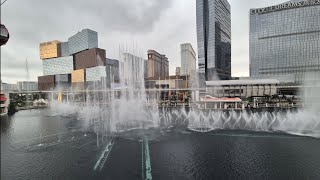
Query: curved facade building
(285, 39)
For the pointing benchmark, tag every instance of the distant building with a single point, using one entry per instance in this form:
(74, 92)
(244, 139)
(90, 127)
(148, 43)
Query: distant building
(158, 64)
(242, 88)
(214, 39)
(8, 87)
(27, 86)
(86, 39)
(73, 62)
(167, 82)
(176, 85)
(285, 40)
(188, 59)
(178, 71)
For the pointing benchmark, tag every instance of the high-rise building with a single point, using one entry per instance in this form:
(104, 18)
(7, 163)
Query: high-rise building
(27, 86)
(78, 62)
(86, 39)
(188, 59)
(285, 39)
(214, 39)
(158, 64)
(178, 71)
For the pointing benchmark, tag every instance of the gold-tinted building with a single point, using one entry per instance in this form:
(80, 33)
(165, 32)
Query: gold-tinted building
(51, 49)
(78, 78)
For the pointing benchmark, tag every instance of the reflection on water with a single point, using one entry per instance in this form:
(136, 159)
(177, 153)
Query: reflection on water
(39, 144)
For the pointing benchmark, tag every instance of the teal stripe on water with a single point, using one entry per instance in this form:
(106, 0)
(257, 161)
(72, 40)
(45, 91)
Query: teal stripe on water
(147, 159)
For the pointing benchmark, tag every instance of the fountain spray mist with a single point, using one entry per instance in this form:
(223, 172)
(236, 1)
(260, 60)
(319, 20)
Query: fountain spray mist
(112, 106)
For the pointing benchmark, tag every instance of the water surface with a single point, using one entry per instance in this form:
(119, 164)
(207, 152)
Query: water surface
(39, 144)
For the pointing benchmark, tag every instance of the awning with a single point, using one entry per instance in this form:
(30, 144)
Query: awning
(3, 98)
(208, 98)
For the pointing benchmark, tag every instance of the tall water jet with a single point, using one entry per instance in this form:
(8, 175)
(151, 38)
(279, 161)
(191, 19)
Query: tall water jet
(128, 107)
(110, 108)
(311, 91)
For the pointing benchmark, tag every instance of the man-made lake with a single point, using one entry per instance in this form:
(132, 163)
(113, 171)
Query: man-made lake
(38, 144)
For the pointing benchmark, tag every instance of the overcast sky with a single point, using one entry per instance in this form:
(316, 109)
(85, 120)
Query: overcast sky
(161, 25)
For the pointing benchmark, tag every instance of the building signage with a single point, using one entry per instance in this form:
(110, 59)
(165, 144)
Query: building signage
(285, 6)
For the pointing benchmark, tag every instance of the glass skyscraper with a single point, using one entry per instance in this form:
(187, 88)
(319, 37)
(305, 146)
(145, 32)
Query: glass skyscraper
(285, 39)
(86, 39)
(214, 39)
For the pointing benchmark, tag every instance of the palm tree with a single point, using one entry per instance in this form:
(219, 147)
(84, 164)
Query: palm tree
(284, 97)
(274, 97)
(267, 98)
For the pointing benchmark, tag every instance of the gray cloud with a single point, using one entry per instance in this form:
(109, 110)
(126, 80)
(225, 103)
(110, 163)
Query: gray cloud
(32, 22)
(154, 24)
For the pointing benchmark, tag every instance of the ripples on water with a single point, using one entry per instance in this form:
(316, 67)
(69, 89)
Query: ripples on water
(36, 145)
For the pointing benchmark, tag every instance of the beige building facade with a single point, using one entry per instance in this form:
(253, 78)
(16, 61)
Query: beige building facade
(158, 64)
(188, 59)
